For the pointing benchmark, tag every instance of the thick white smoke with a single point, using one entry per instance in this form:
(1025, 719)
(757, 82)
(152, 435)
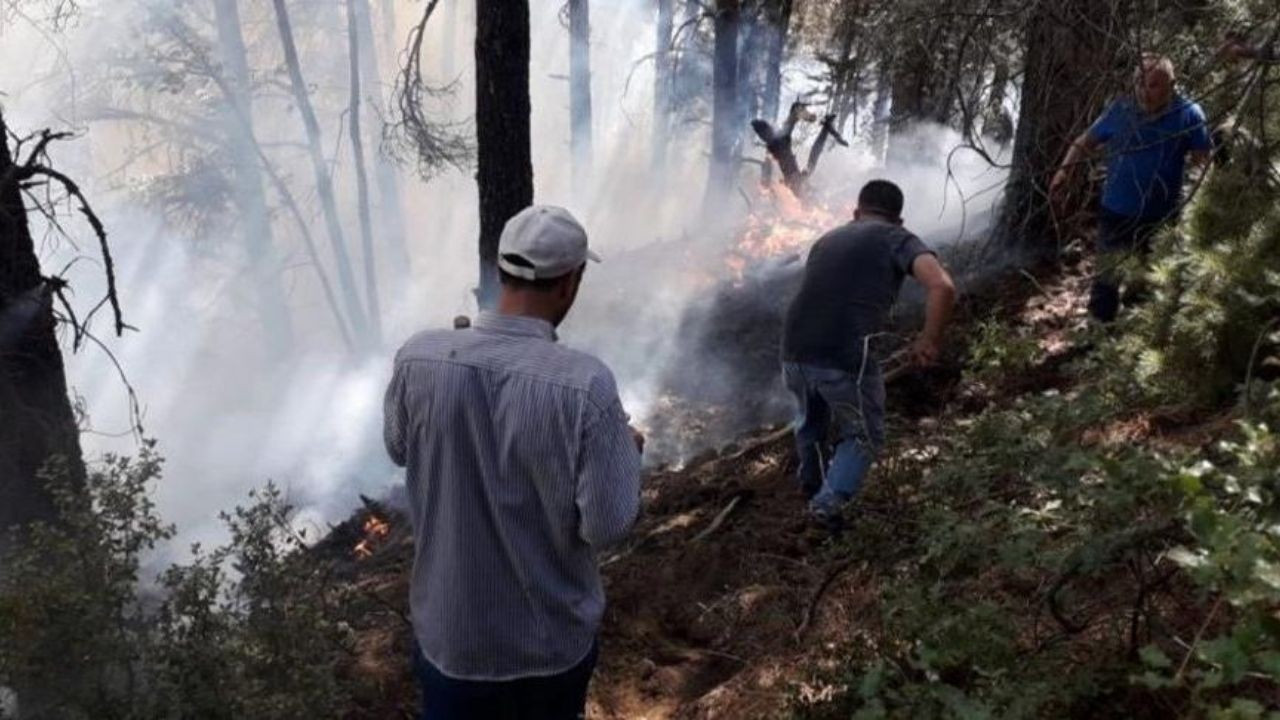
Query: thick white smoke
(228, 416)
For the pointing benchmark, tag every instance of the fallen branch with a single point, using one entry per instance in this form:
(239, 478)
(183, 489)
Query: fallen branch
(812, 609)
(719, 519)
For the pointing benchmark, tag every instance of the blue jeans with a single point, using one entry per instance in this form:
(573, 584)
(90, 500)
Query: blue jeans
(554, 697)
(830, 399)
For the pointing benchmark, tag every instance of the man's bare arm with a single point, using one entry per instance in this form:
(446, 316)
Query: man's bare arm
(940, 298)
(1079, 151)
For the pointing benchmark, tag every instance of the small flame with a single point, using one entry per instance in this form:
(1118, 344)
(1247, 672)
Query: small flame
(375, 528)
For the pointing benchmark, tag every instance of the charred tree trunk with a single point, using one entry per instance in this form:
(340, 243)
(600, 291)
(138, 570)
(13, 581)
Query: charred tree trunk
(662, 80)
(362, 179)
(580, 92)
(504, 163)
(264, 263)
(37, 425)
(390, 210)
(725, 114)
(324, 185)
(1070, 50)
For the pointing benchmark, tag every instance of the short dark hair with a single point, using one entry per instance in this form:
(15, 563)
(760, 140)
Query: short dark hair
(882, 198)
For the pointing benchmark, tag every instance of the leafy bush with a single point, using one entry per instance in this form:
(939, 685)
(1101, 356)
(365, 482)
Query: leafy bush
(253, 629)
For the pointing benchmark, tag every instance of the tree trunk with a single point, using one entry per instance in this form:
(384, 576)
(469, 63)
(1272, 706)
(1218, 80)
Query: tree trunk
(390, 209)
(880, 117)
(264, 267)
(580, 93)
(724, 134)
(779, 16)
(504, 162)
(37, 424)
(1070, 52)
(324, 185)
(362, 179)
(662, 80)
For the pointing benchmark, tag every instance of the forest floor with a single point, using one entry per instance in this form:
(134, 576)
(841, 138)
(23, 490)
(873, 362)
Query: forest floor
(726, 602)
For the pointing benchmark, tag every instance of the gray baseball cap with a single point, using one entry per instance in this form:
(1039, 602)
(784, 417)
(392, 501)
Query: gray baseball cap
(543, 242)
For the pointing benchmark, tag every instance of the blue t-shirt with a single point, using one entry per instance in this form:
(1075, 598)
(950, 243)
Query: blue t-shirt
(1146, 155)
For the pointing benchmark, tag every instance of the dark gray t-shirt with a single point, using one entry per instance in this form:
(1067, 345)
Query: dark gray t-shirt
(851, 280)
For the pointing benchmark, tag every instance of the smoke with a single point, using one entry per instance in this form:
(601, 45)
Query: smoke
(230, 414)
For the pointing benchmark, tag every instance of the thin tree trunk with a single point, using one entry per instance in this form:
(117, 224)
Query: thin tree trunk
(580, 92)
(880, 112)
(504, 163)
(662, 80)
(1070, 49)
(255, 223)
(780, 18)
(324, 184)
(390, 208)
(778, 15)
(724, 136)
(37, 424)
(362, 179)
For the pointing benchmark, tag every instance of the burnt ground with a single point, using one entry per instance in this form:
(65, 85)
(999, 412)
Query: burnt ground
(726, 603)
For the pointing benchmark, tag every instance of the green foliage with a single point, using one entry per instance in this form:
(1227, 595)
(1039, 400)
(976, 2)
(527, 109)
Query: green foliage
(1054, 571)
(998, 350)
(251, 629)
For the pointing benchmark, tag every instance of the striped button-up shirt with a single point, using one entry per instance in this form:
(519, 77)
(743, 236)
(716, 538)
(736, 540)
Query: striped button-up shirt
(521, 467)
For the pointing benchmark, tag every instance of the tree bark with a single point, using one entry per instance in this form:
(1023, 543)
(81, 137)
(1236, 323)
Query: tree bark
(504, 162)
(324, 185)
(1070, 51)
(37, 424)
(362, 178)
(725, 114)
(264, 267)
(662, 80)
(580, 93)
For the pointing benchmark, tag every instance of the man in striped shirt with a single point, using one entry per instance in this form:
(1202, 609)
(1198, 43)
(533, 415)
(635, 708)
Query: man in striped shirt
(521, 468)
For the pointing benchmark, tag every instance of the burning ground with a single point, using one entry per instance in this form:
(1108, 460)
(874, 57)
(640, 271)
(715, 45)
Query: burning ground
(725, 603)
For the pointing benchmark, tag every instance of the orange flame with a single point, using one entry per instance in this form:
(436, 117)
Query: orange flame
(375, 528)
(788, 227)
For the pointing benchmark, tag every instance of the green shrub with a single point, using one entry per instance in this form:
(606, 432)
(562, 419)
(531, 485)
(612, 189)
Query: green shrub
(253, 629)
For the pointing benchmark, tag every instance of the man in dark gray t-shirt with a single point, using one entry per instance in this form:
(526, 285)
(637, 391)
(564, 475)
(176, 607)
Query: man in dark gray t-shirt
(851, 280)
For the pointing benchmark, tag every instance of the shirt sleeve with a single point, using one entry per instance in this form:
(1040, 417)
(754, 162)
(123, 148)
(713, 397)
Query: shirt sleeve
(908, 250)
(395, 418)
(1198, 138)
(1108, 124)
(608, 483)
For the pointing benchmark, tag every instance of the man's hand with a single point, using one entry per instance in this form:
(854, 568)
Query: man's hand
(1058, 187)
(924, 351)
(638, 437)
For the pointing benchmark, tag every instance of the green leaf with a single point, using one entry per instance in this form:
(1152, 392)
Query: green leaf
(1153, 656)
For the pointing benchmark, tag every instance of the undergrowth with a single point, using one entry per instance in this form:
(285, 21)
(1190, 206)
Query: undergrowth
(1055, 558)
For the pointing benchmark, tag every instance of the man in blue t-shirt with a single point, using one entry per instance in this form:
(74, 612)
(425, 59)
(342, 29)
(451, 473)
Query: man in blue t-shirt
(1147, 139)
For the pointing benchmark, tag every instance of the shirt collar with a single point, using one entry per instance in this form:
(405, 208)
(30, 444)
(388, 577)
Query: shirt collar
(516, 325)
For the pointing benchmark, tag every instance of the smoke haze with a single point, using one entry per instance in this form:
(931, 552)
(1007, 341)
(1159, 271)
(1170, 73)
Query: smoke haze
(228, 414)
